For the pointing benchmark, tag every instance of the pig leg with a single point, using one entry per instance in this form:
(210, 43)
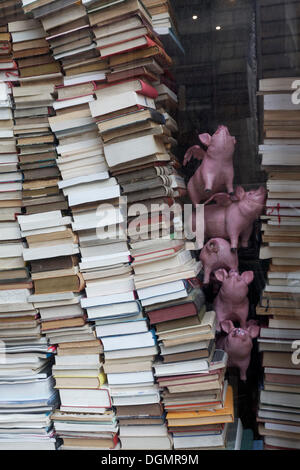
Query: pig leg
(233, 235)
(208, 180)
(229, 182)
(245, 235)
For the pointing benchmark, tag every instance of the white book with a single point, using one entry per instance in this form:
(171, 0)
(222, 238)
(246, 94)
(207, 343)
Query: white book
(102, 261)
(69, 311)
(111, 104)
(114, 286)
(132, 149)
(105, 311)
(84, 77)
(164, 298)
(4, 91)
(131, 353)
(166, 288)
(85, 398)
(42, 300)
(122, 328)
(73, 102)
(73, 52)
(84, 179)
(8, 158)
(102, 217)
(66, 249)
(42, 220)
(139, 340)
(16, 296)
(280, 101)
(184, 367)
(70, 123)
(10, 231)
(91, 192)
(78, 147)
(78, 359)
(11, 250)
(130, 378)
(137, 400)
(107, 299)
(41, 389)
(152, 430)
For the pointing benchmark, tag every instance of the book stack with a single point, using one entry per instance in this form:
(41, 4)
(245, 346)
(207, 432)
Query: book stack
(164, 24)
(11, 10)
(278, 413)
(203, 427)
(86, 184)
(33, 103)
(26, 383)
(71, 39)
(279, 406)
(52, 251)
(31, 52)
(190, 371)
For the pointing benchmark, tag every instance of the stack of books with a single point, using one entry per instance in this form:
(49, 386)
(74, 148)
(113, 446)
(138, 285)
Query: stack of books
(278, 413)
(26, 383)
(86, 184)
(279, 404)
(164, 24)
(33, 103)
(32, 54)
(11, 10)
(203, 426)
(8, 67)
(71, 39)
(191, 371)
(137, 146)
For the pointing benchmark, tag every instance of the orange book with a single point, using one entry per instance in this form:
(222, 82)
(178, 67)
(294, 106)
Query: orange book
(194, 418)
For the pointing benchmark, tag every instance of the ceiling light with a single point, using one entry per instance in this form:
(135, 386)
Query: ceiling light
(195, 17)
(218, 28)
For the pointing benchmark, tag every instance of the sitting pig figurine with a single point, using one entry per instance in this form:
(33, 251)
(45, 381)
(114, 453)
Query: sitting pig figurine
(234, 219)
(216, 170)
(238, 344)
(216, 254)
(232, 302)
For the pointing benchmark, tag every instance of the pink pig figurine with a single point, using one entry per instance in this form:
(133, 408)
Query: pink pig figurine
(216, 170)
(238, 344)
(234, 219)
(216, 254)
(232, 302)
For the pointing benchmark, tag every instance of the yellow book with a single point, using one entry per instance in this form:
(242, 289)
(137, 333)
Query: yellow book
(193, 418)
(75, 381)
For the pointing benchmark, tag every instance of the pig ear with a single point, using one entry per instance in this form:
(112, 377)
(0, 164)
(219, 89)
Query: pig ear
(247, 276)
(221, 274)
(205, 139)
(253, 329)
(240, 192)
(227, 326)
